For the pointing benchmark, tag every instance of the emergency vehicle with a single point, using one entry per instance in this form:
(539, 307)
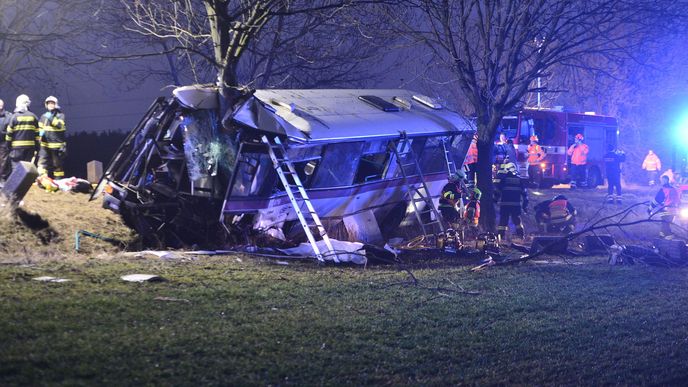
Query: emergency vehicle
(556, 131)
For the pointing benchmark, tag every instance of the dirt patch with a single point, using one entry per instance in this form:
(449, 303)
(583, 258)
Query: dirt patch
(44, 225)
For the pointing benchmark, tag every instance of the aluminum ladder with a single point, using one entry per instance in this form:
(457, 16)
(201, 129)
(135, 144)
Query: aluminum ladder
(417, 192)
(451, 168)
(451, 165)
(298, 198)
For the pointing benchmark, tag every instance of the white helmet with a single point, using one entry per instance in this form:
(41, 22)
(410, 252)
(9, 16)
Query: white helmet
(508, 167)
(52, 99)
(22, 101)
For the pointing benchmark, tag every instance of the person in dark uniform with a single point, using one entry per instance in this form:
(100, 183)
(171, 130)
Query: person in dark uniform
(512, 196)
(22, 132)
(612, 162)
(53, 140)
(452, 194)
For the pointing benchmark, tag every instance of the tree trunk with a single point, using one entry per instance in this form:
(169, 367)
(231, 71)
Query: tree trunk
(487, 209)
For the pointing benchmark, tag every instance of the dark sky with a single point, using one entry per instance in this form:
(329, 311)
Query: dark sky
(89, 105)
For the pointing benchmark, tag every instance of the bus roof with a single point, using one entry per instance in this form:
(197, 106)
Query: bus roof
(338, 115)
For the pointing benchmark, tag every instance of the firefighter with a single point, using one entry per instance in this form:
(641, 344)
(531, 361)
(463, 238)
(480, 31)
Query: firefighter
(53, 142)
(452, 194)
(5, 163)
(612, 162)
(512, 196)
(22, 132)
(535, 156)
(652, 165)
(471, 215)
(471, 160)
(665, 204)
(578, 151)
(500, 150)
(670, 174)
(502, 170)
(557, 215)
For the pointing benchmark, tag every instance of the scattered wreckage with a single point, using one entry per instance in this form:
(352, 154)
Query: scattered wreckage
(297, 165)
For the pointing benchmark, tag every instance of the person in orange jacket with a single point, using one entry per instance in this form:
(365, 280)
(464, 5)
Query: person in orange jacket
(471, 160)
(666, 205)
(578, 151)
(652, 165)
(536, 154)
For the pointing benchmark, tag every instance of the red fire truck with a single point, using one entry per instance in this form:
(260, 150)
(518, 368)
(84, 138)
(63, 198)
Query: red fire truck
(556, 130)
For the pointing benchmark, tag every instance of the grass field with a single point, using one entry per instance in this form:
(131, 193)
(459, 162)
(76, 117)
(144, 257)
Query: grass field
(239, 320)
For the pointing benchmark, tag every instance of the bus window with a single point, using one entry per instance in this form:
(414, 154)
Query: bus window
(611, 136)
(527, 130)
(509, 126)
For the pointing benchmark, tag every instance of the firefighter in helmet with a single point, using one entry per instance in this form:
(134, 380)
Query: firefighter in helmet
(612, 162)
(53, 142)
(512, 196)
(652, 164)
(450, 201)
(557, 215)
(578, 151)
(471, 214)
(22, 132)
(665, 205)
(536, 154)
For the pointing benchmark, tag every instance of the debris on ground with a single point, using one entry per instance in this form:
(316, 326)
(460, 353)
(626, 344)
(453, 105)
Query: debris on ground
(172, 299)
(142, 278)
(353, 252)
(51, 279)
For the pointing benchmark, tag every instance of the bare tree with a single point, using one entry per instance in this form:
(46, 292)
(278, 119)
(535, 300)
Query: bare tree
(264, 42)
(495, 50)
(32, 37)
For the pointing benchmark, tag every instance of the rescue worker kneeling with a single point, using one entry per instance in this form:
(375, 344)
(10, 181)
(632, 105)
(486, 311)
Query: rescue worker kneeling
(556, 215)
(512, 196)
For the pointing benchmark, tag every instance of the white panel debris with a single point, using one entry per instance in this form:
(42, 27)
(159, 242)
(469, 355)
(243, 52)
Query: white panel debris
(141, 278)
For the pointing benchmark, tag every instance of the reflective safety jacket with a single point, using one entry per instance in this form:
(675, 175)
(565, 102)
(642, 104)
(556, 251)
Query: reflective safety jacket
(652, 163)
(668, 198)
(451, 194)
(472, 155)
(53, 129)
(22, 133)
(578, 153)
(560, 211)
(535, 154)
(472, 212)
(511, 191)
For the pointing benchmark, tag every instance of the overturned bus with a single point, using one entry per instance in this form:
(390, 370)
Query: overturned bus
(297, 165)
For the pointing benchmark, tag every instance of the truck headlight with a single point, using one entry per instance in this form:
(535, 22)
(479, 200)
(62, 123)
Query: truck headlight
(683, 213)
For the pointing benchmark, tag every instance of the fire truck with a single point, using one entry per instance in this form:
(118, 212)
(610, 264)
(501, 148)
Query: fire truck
(556, 130)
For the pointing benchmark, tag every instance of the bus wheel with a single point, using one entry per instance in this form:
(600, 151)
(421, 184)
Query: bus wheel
(594, 177)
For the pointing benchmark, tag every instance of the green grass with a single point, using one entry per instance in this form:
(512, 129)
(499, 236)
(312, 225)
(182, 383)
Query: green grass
(257, 323)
